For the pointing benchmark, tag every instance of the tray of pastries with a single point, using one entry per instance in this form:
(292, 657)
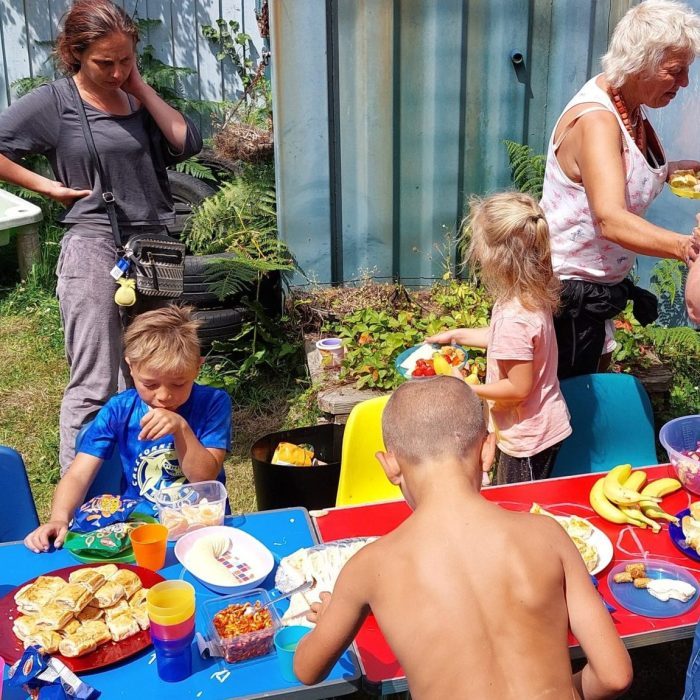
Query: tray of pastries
(88, 616)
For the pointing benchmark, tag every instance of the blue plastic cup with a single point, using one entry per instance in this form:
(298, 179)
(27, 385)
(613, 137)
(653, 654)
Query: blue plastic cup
(174, 657)
(286, 641)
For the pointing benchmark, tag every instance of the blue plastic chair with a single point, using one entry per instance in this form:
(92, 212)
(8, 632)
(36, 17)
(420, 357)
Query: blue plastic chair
(110, 477)
(18, 515)
(612, 424)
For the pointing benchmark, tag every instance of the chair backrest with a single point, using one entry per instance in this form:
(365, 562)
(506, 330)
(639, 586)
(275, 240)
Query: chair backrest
(612, 424)
(18, 515)
(110, 477)
(362, 479)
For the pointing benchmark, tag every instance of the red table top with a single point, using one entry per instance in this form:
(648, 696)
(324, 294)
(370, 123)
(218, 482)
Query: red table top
(568, 495)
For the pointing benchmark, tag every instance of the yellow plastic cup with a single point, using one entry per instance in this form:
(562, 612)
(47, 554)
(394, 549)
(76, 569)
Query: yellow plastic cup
(170, 620)
(150, 544)
(170, 602)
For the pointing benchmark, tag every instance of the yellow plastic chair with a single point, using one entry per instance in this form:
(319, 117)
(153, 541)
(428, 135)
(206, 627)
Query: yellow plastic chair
(362, 479)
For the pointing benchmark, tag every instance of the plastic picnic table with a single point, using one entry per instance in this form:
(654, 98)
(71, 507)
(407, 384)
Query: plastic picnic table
(282, 532)
(382, 673)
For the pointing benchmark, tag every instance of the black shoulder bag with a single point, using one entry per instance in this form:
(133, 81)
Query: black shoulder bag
(157, 259)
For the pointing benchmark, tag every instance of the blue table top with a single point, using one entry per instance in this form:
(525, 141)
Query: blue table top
(282, 532)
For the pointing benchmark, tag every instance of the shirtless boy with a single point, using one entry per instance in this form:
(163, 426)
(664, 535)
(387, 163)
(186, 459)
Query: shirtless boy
(474, 600)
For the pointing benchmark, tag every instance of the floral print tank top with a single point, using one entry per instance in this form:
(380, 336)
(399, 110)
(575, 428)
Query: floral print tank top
(578, 249)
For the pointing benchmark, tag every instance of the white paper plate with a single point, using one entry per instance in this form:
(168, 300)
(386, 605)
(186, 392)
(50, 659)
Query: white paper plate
(602, 544)
(256, 559)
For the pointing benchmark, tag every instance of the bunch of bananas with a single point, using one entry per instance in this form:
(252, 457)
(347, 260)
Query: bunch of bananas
(617, 498)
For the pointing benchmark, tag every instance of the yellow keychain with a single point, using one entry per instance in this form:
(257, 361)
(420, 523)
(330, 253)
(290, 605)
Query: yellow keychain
(126, 292)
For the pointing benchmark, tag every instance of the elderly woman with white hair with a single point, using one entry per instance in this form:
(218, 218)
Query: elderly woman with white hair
(605, 165)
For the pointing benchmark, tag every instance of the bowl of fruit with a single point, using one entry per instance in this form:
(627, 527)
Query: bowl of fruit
(681, 439)
(429, 360)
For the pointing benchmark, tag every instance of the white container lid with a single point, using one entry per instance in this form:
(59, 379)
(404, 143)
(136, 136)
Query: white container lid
(15, 211)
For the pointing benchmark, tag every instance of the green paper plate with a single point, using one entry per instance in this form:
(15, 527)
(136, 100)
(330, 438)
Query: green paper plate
(125, 557)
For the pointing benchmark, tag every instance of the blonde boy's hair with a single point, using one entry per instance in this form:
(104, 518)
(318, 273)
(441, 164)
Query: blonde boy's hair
(644, 36)
(164, 340)
(510, 245)
(432, 419)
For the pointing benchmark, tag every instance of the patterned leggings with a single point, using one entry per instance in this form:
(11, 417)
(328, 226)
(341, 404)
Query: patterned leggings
(510, 470)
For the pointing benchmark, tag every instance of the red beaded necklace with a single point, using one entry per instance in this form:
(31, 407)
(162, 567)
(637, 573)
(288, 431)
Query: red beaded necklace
(636, 130)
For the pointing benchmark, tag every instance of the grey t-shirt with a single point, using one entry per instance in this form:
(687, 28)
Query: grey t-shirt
(132, 150)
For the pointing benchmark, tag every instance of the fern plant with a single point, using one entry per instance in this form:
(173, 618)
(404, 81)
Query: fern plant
(526, 168)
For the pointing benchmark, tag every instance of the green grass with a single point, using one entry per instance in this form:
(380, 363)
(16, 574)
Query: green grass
(33, 374)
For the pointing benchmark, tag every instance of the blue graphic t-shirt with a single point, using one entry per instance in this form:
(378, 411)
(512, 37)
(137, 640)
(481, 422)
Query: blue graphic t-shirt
(150, 465)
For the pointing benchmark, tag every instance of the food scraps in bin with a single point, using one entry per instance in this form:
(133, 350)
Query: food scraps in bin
(246, 631)
(290, 455)
(663, 589)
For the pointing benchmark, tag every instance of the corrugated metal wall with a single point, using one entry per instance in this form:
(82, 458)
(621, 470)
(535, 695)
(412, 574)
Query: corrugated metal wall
(388, 113)
(27, 27)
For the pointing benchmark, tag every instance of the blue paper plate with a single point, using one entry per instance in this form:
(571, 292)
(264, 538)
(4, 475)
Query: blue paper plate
(407, 353)
(675, 532)
(640, 601)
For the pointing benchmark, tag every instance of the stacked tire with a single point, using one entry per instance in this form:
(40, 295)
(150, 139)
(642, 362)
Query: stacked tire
(220, 320)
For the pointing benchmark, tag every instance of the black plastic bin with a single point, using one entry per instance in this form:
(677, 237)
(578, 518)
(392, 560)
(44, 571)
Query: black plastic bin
(280, 486)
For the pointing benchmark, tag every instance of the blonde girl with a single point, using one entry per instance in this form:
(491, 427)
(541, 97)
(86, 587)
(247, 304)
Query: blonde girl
(510, 246)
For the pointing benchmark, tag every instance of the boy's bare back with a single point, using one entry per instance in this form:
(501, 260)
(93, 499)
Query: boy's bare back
(475, 601)
(472, 602)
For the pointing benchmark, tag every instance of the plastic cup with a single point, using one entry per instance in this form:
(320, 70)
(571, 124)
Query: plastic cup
(169, 633)
(150, 544)
(286, 641)
(177, 618)
(331, 351)
(173, 657)
(169, 597)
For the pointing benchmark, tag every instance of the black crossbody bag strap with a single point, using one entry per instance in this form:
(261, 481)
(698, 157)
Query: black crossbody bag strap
(107, 194)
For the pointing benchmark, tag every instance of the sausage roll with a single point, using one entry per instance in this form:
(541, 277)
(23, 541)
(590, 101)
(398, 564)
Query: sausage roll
(53, 617)
(128, 579)
(47, 640)
(88, 577)
(109, 594)
(33, 596)
(123, 626)
(73, 597)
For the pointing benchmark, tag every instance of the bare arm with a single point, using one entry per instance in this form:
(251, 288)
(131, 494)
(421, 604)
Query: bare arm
(171, 123)
(69, 494)
(608, 672)
(19, 175)
(198, 463)
(338, 619)
(597, 153)
(515, 387)
(692, 288)
(469, 337)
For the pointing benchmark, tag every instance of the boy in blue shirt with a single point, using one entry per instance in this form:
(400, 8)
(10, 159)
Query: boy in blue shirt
(167, 429)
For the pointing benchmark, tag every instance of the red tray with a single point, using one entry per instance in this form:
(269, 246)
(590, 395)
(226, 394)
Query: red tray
(11, 648)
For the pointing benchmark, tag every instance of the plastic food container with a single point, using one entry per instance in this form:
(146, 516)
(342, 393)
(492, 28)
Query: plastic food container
(189, 507)
(683, 435)
(250, 645)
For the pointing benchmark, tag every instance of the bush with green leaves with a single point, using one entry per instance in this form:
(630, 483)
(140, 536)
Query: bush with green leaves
(375, 337)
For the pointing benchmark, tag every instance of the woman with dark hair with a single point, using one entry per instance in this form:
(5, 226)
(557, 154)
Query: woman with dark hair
(136, 135)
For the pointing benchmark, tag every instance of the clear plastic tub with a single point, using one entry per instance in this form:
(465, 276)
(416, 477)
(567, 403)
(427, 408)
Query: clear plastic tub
(250, 645)
(681, 439)
(189, 507)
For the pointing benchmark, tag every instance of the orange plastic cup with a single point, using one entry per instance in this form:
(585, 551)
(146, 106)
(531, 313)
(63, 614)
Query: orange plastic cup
(170, 602)
(150, 543)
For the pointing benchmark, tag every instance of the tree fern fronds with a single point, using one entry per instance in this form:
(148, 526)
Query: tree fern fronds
(526, 168)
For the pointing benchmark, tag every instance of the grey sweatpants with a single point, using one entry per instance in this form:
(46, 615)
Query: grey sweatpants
(92, 326)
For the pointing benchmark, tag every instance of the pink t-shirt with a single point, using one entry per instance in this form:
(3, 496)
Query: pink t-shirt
(542, 418)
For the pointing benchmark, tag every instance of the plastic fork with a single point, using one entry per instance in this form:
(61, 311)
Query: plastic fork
(299, 589)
